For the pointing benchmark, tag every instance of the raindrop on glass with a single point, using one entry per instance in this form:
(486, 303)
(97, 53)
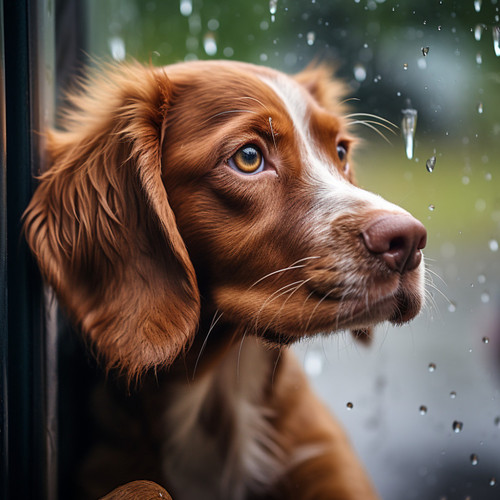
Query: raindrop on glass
(117, 48)
(479, 58)
(423, 410)
(453, 394)
(425, 51)
(493, 244)
(481, 278)
(430, 164)
(359, 72)
(478, 31)
(485, 298)
(186, 7)
(457, 426)
(493, 481)
(496, 40)
(480, 108)
(432, 367)
(209, 44)
(405, 66)
(486, 340)
(311, 37)
(408, 128)
(452, 307)
(474, 459)
(349, 406)
(477, 5)
(432, 207)
(273, 6)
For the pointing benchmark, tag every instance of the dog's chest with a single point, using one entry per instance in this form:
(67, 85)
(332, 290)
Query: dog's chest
(221, 443)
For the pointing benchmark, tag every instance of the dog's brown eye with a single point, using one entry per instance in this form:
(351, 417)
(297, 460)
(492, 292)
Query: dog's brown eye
(342, 152)
(248, 160)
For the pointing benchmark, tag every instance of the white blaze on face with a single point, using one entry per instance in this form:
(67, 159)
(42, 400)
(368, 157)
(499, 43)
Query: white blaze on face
(330, 186)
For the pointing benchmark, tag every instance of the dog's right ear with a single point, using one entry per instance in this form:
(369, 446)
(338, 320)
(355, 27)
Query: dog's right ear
(101, 227)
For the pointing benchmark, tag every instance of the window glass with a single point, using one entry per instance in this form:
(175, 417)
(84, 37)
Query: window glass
(422, 403)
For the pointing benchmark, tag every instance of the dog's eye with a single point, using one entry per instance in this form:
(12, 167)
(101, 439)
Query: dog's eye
(248, 160)
(342, 152)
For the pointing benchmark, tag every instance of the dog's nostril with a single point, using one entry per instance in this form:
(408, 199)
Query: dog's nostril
(397, 240)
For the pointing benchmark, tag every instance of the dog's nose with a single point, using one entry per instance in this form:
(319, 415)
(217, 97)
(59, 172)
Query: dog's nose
(396, 239)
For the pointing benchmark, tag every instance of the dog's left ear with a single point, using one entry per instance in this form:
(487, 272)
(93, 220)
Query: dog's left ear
(101, 227)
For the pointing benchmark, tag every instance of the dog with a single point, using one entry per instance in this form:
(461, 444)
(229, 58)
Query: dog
(194, 221)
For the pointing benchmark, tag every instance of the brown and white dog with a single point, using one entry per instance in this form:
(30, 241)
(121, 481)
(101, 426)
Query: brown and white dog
(196, 219)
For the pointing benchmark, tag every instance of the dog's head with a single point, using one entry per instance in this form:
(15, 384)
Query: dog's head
(224, 178)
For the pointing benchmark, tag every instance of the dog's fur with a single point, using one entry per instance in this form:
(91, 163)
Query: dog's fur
(188, 276)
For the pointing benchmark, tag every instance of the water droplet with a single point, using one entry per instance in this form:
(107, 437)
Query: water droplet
(408, 128)
(486, 340)
(209, 44)
(480, 108)
(477, 5)
(425, 51)
(273, 6)
(493, 244)
(496, 40)
(478, 31)
(117, 48)
(453, 394)
(481, 278)
(474, 459)
(423, 410)
(359, 72)
(313, 363)
(485, 298)
(311, 37)
(439, 28)
(452, 307)
(457, 426)
(432, 367)
(349, 406)
(493, 481)
(479, 58)
(213, 24)
(497, 421)
(405, 66)
(430, 164)
(186, 7)
(432, 207)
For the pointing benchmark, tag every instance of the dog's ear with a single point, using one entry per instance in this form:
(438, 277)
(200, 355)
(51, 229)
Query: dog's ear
(101, 227)
(328, 91)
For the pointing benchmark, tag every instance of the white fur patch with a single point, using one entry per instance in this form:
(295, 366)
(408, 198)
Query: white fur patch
(246, 457)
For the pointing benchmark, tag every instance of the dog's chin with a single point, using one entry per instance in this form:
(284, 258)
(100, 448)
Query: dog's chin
(360, 320)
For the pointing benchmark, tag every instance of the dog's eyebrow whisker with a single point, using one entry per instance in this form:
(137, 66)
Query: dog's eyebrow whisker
(295, 265)
(215, 320)
(372, 122)
(369, 125)
(272, 131)
(369, 115)
(229, 111)
(255, 100)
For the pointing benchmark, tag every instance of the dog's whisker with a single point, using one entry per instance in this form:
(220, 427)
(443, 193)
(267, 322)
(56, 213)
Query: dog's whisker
(364, 122)
(275, 295)
(217, 316)
(370, 115)
(295, 265)
(370, 126)
(286, 300)
(272, 131)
